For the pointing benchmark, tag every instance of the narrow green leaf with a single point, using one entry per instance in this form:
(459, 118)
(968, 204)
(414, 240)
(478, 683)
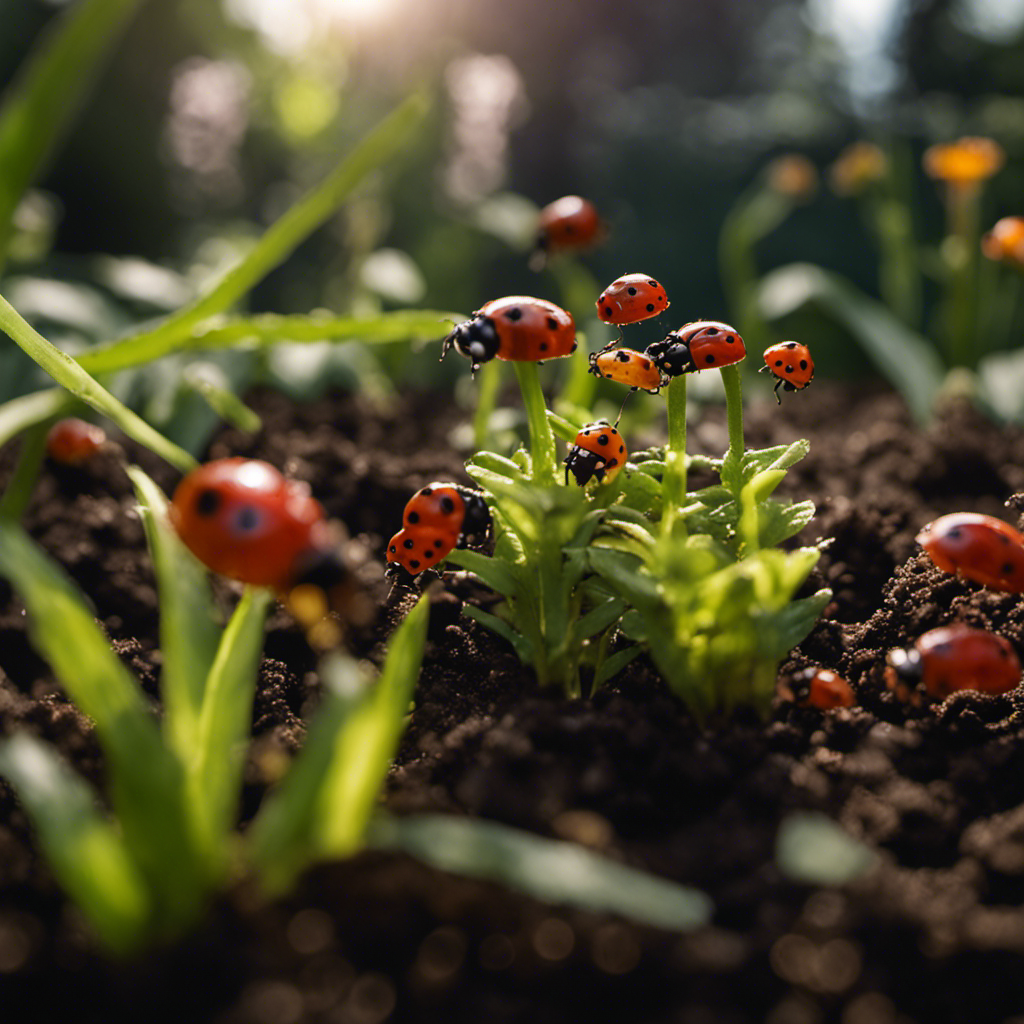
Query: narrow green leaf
(70, 375)
(312, 211)
(791, 624)
(778, 522)
(562, 428)
(498, 575)
(214, 771)
(211, 384)
(815, 850)
(367, 741)
(522, 646)
(27, 410)
(497, 464)
(47, 93)
(598, 619)
(22, 480)
(614, 664)
(545, 869)
(86, 852)
(188, 617)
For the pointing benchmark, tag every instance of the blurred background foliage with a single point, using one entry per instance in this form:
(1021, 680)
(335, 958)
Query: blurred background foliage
(211, 116)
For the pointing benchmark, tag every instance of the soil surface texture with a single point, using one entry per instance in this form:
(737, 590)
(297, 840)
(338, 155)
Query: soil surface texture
(933, 932)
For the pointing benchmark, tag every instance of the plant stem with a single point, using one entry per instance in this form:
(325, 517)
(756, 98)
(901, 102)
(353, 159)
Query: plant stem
(19, 488)
(961, 245)
(674, 483)
(486, 400)
(733, 382)
(542, 440)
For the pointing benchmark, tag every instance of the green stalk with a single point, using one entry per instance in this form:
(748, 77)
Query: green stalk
(961, 249)
(674, 484)
(542, 440)
(732, 379)
(486, 402)
(19, 488)
(70, 376)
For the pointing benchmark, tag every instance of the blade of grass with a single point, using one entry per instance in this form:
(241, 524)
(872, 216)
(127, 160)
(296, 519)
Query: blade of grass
(27, 410)
(86, 853)
(214, 772)
(145, 778)
(546, 869)
(70, 376)
(18, 492)
(50, 86)
(278, 242)
(188, 630)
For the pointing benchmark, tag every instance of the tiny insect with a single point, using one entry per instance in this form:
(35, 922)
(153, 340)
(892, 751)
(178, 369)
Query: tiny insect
(977, 547)
(571, 222)
(437, 519)
(792, 365)
(701, 345)
(952, 658)
(516, 328)
(627, 366)
(72, 442)
(818, 688)
(598, 453)
(630, 299)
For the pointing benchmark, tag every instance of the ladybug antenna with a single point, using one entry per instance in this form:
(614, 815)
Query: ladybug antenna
(623, 406)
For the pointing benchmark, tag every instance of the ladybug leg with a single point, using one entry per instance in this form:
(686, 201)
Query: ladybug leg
(623, 406)
(763, 369)
(778, 384)
(611, 344)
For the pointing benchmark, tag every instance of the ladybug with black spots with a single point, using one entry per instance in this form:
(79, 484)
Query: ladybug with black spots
(627, 366)
(630, 299)
(792, 365)
(516, 328)
(571, 222)
(73, 442)
(952, 658)
(819, 688)
(701, 345)
(978, 547)
(437, 519)
(599, 453)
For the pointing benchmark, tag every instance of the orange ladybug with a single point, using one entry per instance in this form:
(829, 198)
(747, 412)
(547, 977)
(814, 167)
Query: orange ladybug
(630, 299)
(571, 222)
(516, 328)
(791, 363)
(819, 688)
(598, 453)
(701, 345)
(977, 547)
(73, 441)
(627, 366)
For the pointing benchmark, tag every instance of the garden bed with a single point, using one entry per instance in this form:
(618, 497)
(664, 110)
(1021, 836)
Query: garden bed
(934, 932)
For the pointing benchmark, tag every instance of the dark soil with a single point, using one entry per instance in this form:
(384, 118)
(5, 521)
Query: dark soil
(934, 933)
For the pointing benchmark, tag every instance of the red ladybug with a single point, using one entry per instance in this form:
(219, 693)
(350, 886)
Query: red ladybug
(978, 547)
(627, 366)
(953, 658)
(791, 363)
(72, 441)
(630, 299)
(701, 345)
(437, 519)
(571, 222)
(599, 452)
(517, 328)
(243, 519)
(818, 688)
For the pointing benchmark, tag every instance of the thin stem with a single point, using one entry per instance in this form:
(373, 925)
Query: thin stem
(486, 401)
(674, 483)
(733, 382)
(542, 440)
(19, 488)
(961, 252)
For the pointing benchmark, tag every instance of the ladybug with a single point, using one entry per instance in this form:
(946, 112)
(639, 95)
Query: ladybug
(627, 366)
(437, 519)
(599, 451)
(701, 345)
(571, 222)
(953, 658)
(977, 547)
(72, 441)
(791, 363)
(818, 688)
(243, 519)
(517, 328)
(630, 299)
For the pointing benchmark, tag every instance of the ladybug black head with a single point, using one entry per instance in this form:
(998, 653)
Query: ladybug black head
(476, 339)
(476, 521)
(671, 355)
(584, 465)
(906, 664)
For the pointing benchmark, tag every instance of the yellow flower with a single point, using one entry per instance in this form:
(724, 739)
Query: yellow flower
(966, 163)
(856, 167)
(792, 175)
(1005, 242)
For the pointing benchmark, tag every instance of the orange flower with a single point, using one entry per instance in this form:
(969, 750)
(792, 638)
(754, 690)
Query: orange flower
(856, 167)
(966, 163)
(792, 175)
(1005, 242)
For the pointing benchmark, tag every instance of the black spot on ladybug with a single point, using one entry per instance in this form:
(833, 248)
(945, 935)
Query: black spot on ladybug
(427, 491)
(731, 340)
(607, 310)
(552, 324)
(207, 502)
(622, 447)
(1004, 538)
(543, 346)
(631, 290)
(514, 314)
(941, 649)
(603, 439)
(408, 543)
(650, 307)
(247, 519)
(438, 544)
(790, 344)
(803, 364)
(611, 462)
(778, 362)
(586, 433)
(428, 554)
(789, 368)
(1007, 569)
(393, 549)
(956, 533)
(709, 360)
(710, 331)
(652, 283)
(414, 562)
(413, 517)
(447, 505)
(645, 363)
(622, 357)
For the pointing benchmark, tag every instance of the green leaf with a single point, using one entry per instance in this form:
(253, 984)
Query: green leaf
(145, 779)
(778, 522)
(70, 375)
(86, 852)
(614, 664)
(562, 428)
(522, 646)
(26, 411)
(278, 242)
(188, 630)
(499, 576)
(214, 770)
(545, 869)
(598, 619)
(496, 464)
(814, 850)
(210, 382)
(788, 626)
(45, 97)
(906, 359)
